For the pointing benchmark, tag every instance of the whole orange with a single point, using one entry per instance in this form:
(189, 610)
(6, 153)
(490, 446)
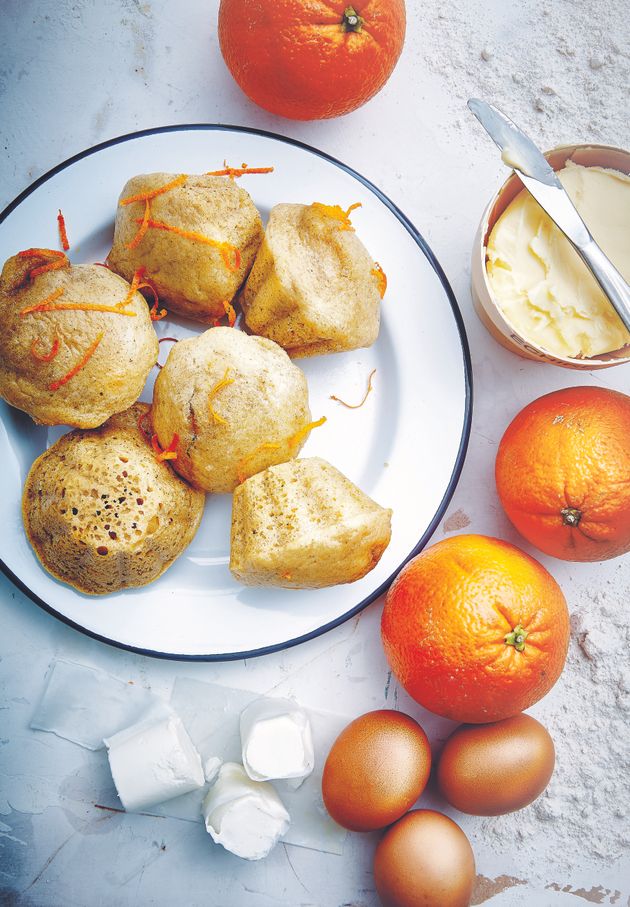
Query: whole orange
(475, 629)
(311, 59)
(563, 473)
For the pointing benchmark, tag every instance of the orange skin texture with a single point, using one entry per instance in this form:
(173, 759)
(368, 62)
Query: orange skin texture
(376, 770)
(444, 625)
(569, 449)
(295, 59)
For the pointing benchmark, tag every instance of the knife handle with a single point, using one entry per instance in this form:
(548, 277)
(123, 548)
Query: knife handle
(608, 277)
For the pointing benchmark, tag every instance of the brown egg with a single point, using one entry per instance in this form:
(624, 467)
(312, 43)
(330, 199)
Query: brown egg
(424, 860)
(492, 769)
(377, 768)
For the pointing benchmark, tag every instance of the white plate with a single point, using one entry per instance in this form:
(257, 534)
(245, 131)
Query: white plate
(405, 447)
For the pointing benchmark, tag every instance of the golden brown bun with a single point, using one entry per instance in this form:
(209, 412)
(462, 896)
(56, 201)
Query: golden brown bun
(255, 417)
(102, 513)
(191, 278)
(312, 289)
(113, 377)
(304, 525)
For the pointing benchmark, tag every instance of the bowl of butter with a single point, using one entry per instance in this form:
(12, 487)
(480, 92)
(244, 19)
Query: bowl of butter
(531, 289)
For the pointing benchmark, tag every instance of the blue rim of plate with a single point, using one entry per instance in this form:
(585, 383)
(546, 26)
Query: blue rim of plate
(465, 436)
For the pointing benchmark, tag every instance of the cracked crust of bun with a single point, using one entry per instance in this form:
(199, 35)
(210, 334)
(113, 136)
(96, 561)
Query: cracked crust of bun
(113, 377)
(312, 287)
(189, 276)
(102, 514)
(247, 424)
(304, 525)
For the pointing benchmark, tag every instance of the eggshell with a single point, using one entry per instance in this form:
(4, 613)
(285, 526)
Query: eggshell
(376, 769)
(424, 860)
(492, 769)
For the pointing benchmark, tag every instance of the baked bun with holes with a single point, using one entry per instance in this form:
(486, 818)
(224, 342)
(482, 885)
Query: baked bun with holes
(76, 345)
(194, 275)
(235, 404)
(314, 287)
(103, 513)
(304, 525)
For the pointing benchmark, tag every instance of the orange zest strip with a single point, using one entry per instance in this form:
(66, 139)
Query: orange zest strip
(224, 382)
(74, 307)
(169, 453)
(144, 226)
(365, 396)
(43, 305)
(162, 340)
(292, 441)
(157, 314)
(243, 170)
(77, 368)
(230, 312)
(134, 286)
(45, 357)
(51, 266)
(337, 213)
(153, 193)
(63, 233)
(41, 253)
(381, 278)
(303, 432)
(226, 249)
(142, 426)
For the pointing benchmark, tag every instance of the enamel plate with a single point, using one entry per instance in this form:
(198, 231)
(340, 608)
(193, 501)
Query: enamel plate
(405, 447)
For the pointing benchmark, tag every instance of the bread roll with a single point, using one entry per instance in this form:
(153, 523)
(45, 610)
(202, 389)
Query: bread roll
(314, 287)
(191, 277)
(236, 403)
(304, 525)
(102, 513)
(113, 374)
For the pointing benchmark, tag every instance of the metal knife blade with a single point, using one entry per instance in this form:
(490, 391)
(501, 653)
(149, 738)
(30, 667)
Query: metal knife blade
(520, 153)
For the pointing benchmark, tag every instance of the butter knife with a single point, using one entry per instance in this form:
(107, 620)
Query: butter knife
(519, 152)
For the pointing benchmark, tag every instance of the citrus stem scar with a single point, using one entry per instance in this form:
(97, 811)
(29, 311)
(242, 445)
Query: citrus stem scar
(571, 516)
(351, 20)
(517, 638)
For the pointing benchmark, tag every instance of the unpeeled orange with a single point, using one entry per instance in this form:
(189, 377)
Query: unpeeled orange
(563, 473)
(311, 59)
(475, 629)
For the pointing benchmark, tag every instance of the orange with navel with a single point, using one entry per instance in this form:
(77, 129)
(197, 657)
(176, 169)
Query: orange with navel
(311, 59)
(563, 473)
(475, 629)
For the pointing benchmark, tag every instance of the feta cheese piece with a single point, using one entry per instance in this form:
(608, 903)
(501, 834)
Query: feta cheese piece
(244, 816)
(276, 740)
(154, 761)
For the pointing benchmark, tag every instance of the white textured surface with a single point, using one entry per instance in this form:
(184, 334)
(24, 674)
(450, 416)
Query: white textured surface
(77, 72)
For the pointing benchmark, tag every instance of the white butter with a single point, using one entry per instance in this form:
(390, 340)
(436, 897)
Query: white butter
(540, 283)
(154, 761)
(276, 740)
(244, 816)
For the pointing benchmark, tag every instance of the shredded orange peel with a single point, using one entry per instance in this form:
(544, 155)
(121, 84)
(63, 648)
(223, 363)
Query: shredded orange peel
(291, 442)
(365, 396)
(153, 193)
(225, 248)
(230, 312)
(336, 212)
(381, 278)
(77, 368)
(224, 382)
(45, 357)
(63, 233)
(169, 453)
(55, 260)
(234, 172)
(50, 304)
